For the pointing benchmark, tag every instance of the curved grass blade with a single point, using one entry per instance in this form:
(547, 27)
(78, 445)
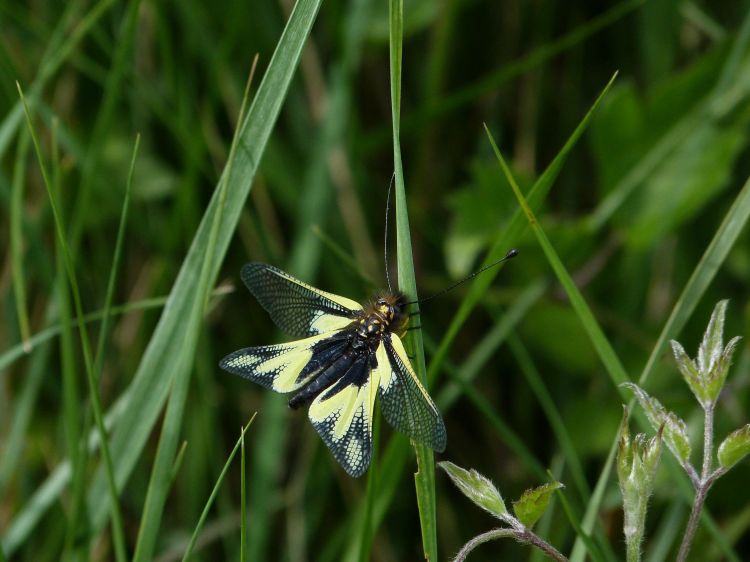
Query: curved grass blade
(212, 496)
(16, 238)
(161, 475)
(61, 46)
(149, 389)
(507, 237)
(117, 527)
(606, 353)
(730, 228)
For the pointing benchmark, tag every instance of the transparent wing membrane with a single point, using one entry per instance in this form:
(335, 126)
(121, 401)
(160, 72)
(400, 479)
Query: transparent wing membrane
(296, 307)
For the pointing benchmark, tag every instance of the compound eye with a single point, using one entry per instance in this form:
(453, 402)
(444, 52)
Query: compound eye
(381, 301)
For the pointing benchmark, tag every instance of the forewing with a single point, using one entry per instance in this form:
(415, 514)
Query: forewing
(342, 415)
(296, 307)
(403, 400)
(288, 366)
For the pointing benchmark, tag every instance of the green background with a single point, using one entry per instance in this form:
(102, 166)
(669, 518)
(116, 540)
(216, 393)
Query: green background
(634, 208)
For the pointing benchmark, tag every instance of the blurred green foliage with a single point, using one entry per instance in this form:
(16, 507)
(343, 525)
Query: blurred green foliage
(631, 213)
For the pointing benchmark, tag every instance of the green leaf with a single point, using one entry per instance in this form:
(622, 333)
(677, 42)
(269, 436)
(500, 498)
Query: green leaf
(661, 419)
(690, 373)
(712, 345)
(477, 488)
(533, 503)
(735, 447)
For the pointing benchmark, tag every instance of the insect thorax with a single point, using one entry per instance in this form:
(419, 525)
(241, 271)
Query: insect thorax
(385, 313)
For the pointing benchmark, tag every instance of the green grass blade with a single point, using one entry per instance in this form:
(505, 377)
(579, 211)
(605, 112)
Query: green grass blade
(593, 550)
(543, 395)
(506, 239)
(107, 308)
(243, 503)
(117, 527)
(424, 479)
(161, 475)
(482, 352)
(204, 515)
(61, 46)
(716, 252)
(14, 353)
(601, 344)
(16, 238)
(150, 388)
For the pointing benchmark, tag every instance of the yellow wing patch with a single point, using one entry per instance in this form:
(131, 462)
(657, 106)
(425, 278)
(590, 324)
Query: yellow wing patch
(277, 367)
(342, 415)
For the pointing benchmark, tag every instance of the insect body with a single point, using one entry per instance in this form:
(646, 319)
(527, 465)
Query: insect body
(348, 356)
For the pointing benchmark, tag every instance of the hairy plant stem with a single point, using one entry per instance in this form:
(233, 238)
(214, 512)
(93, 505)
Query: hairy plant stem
(703, 485)
(521, 535)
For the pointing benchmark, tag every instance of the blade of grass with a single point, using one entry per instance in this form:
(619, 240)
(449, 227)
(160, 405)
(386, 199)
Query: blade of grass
(160, 481)
(601, 344)
(60, 46)
(210, 501)
(543, 395)
(606, 353)
(424, 479)
(14, 353)
(243, 502)
(591, 547)
(490, 83)
(117, 529)
(149, 387)
(16, 238)
(315, 205)
(72, 419)
(107, 308)
(716, 252)
(506, 239)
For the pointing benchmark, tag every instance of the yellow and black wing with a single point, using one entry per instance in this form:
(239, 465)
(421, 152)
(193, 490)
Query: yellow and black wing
(405, 403)
(296, 307)
(342, 414)
(286, 367)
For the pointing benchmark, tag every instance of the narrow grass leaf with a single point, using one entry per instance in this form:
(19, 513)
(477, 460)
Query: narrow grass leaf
(107, 308)
(150, 387)
(507, 237)
(243, 501)
(161, 481)
(117, 527)
(424, 479)
(606, 353)
(204, 514)
(544, 396)
(16, 238)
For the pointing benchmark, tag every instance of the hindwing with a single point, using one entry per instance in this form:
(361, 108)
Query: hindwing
(403, 400)
(299, 309)
(342, 414)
